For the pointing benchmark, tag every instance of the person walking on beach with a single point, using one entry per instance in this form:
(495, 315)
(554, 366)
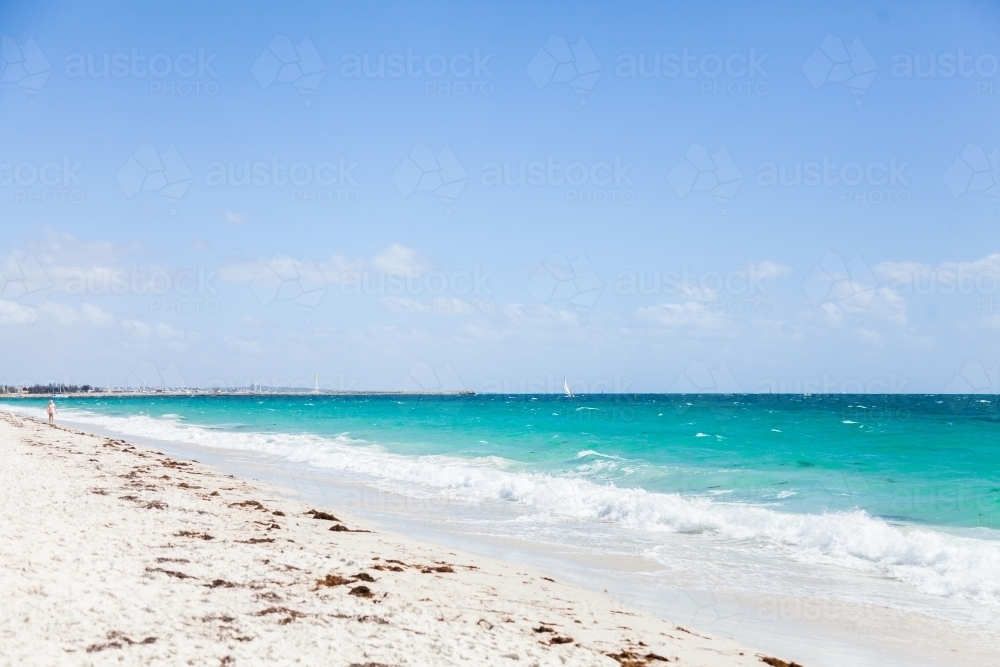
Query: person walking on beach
(52, 413)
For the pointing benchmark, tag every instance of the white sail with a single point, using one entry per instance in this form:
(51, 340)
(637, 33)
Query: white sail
(566, 388)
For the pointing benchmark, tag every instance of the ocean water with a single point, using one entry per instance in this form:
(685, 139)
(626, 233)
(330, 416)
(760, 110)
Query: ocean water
(894, 498)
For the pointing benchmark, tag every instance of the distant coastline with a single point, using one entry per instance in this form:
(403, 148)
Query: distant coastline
(130, 393)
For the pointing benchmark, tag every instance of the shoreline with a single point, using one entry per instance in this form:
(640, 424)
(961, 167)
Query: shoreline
(821, 625)
(115, 551)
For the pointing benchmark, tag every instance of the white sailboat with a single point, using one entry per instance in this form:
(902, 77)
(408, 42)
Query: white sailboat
(569, 394)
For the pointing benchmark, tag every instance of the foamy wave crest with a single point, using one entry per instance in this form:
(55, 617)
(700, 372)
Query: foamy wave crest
(591, 452)
(933, 561)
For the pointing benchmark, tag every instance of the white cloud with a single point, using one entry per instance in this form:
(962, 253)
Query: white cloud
(886, 306)
(403, 305)
(63, 249)
(777, 330)
(338, 265)
(538, 315)
(240, 345)
(96, 315)
(241, 271)
(138, 330)
(395, 259)
(688, 315)
(62, 314)
(400, 260)
(832, 315)
(980, 276)
(767, 269)
(62, 255)
(866, 336)
(167, 332)
(913, 341)
(889, 305)
(234, 217)
(698, 293)
(175, 338)
(439, 305)
(54, 313)
(13, 313)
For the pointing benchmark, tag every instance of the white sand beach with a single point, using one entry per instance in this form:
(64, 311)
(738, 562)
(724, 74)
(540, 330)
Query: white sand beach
(113, 553)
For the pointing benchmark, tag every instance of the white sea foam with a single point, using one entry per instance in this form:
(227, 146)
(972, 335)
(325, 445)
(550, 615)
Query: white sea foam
(591, 452)
(934, 562)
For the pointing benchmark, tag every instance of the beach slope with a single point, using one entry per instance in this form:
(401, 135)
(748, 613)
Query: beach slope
(114, 553)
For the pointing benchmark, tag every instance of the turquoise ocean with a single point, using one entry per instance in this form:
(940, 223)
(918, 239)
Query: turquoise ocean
(851, 496)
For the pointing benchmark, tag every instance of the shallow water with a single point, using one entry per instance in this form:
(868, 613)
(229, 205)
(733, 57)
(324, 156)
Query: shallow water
(863, 502)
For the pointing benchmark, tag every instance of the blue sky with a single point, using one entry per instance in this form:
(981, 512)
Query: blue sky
(639, 196)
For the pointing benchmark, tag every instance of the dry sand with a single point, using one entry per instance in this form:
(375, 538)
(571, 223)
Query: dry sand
(112, 553)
